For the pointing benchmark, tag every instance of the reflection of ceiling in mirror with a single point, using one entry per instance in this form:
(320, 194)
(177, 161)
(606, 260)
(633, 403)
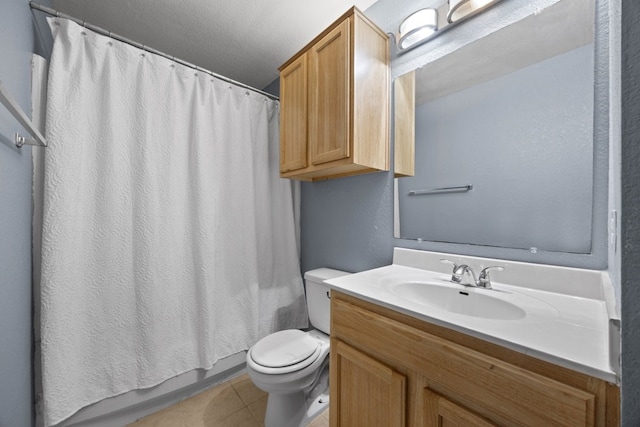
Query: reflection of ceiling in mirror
(559, 28)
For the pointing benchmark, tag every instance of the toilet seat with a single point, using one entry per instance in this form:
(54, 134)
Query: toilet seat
(284, 352)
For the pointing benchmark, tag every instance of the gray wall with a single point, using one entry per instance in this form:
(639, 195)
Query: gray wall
(348, 223)
(16, 45)
(630, 75)
(328, 230)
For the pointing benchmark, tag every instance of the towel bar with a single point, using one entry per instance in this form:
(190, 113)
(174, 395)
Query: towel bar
(428, 191)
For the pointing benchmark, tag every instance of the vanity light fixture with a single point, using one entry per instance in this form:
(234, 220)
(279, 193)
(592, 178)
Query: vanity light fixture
(430, 22)
(459, 9)
(417, 27)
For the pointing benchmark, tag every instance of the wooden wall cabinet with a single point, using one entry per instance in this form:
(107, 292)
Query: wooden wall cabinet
(334, 103)
(413, 373)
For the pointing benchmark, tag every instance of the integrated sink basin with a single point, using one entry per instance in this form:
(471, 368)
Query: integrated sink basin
(562, 315)
(482, 303)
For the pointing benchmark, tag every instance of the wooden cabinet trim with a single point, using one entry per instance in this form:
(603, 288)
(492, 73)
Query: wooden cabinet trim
(293, 115)
(330, 122)
(440, 411)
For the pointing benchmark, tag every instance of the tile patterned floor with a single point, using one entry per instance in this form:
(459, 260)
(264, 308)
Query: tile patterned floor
(236, 403)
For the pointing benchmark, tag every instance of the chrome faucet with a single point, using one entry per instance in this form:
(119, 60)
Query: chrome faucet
(484, 280)
(464, 275)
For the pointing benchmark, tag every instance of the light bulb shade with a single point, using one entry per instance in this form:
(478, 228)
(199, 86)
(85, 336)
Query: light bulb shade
(417, 27)
(458, 9)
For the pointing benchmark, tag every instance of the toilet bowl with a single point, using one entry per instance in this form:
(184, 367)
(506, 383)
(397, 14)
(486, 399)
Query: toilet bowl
(293, 365)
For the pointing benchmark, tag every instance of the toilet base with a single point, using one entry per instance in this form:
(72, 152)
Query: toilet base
(299, 408)
(315, 408)
(291, 410)
(285, 410)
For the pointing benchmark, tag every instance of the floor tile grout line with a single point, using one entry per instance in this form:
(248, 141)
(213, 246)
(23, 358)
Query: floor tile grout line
(258, 419)
(242, 396)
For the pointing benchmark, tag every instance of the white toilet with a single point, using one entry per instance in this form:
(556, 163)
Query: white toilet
(293, 365)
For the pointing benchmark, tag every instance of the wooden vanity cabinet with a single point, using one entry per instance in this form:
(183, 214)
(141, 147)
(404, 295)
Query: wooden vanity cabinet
(402, 371)
(334, 103)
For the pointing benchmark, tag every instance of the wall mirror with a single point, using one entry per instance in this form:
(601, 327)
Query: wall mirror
(505, 126)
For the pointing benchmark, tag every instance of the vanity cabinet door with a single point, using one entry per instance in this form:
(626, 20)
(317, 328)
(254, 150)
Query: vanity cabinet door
(293, 116)
(368, 392)
(329, 85)
(440, 412)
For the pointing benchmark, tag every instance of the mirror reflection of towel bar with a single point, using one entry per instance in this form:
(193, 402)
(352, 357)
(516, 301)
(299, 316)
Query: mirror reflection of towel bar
(427, 191)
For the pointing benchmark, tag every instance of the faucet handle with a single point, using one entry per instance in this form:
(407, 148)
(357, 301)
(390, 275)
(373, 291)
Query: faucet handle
(484, 280)
(453, 264)
(454, 277)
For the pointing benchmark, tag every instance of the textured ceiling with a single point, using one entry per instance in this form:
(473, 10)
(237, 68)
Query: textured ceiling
(244, 40)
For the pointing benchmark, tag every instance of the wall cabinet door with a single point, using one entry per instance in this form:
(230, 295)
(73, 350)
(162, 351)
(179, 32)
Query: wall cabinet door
(368, 393)
(293, 116)
(335, 122)
(329, 96)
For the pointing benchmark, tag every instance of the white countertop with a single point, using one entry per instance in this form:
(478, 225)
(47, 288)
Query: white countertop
(573, 328)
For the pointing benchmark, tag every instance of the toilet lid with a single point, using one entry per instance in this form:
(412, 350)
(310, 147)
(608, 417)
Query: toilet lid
(284, 348)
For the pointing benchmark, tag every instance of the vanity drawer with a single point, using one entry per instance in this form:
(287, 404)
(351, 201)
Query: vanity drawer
(488, 387)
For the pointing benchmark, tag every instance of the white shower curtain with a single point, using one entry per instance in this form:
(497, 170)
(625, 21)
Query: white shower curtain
(168, 237)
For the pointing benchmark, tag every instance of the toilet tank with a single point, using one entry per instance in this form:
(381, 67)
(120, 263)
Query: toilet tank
(318, 302)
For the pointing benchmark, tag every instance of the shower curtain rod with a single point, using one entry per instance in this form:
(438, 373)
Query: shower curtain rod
(102, 31)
